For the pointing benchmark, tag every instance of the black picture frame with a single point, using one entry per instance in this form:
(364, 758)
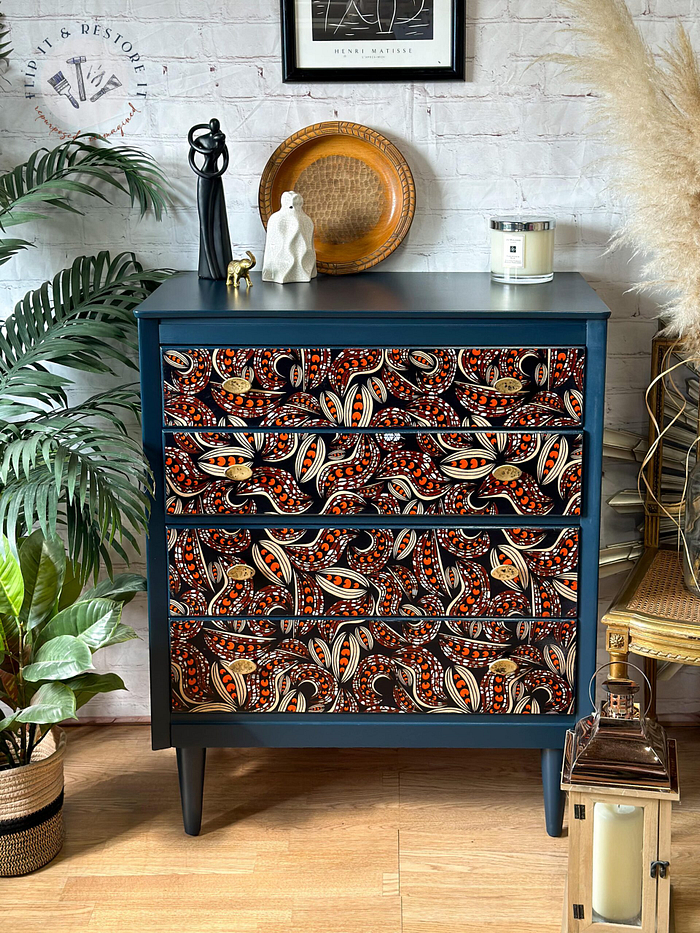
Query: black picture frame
(292, 72)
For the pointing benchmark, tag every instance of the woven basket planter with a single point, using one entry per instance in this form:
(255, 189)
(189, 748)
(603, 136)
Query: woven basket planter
(31, 809)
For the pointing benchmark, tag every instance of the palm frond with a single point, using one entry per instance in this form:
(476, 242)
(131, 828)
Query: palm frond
(81, 320)
(10, 246)
(4, 44)
(50, 176)
(93, 479)
(92, 472)
(74, 465)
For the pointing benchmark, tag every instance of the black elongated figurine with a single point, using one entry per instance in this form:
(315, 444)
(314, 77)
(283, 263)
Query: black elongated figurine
(214, 239)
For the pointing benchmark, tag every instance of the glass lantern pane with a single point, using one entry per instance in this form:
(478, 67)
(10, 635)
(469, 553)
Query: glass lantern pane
(618, 843)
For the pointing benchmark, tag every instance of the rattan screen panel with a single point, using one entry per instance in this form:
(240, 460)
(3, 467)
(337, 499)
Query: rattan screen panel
(662, 593)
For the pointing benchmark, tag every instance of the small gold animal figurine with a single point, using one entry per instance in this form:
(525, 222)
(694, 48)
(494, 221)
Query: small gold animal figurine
(238, 269)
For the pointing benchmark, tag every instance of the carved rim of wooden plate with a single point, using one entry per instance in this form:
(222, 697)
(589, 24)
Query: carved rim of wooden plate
(391, 156)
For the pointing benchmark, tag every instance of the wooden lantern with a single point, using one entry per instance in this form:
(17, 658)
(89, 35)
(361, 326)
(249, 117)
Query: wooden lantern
(621, 774)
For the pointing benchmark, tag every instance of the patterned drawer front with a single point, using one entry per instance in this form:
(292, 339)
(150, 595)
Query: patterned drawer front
(446, 388)
(371, 666)
(478, 573)
(438, 473)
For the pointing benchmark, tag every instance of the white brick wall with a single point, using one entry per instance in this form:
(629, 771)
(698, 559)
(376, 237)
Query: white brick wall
(509, 137)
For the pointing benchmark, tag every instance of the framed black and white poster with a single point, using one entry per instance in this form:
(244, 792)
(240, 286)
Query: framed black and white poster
(372, 40)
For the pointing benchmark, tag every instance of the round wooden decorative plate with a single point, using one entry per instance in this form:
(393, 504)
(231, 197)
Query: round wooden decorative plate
(357, 189)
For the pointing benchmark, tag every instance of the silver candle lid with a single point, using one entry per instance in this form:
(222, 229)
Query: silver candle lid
(522, 224)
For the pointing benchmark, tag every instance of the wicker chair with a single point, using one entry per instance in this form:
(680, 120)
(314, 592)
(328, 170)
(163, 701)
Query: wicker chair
(654, 615)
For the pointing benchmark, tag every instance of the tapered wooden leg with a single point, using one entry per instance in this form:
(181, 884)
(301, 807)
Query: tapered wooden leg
(190, 770)
(554, 797)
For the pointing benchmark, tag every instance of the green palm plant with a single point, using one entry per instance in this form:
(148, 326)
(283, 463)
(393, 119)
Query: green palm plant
(64, 462)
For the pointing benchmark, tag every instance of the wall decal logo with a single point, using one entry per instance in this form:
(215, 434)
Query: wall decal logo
(86, 76)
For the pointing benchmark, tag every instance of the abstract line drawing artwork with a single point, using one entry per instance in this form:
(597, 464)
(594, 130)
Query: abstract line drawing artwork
(336, 20)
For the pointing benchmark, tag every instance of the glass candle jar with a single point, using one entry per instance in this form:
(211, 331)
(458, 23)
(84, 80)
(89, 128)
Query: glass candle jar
(522, 249)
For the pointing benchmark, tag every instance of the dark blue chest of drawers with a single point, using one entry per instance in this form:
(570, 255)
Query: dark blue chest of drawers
(376, 514)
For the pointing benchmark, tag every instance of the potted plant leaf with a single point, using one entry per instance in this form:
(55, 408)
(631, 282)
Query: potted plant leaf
(49, 632)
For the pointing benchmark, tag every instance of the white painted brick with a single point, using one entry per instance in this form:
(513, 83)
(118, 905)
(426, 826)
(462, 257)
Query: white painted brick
(566, 157)
(408, 260)
(489, 194)
(487, 9)
(477, 156)
(477, 85)
(516, 77)
(211, 80)
(465, 260)
(173, 118)
(469, 117)
(672, 8)
(567, 231)
(446, 161)
(244, 40)
(541, 194)
(169, 40)
(660, 31)
(598, 226)
(627, 373)
(533, 9)
(158, 10)
(630, 338)
(516, 39)
(555, 117)
(623, 303)
(623, 408)
(452, 229)
(237, 12)
(71, 9)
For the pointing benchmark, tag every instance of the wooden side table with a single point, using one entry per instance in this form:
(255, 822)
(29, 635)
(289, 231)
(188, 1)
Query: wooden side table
(654, 616)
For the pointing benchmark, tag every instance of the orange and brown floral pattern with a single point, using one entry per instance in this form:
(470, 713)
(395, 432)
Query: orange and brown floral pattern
(436, 473)
(373, 387)
(481, 573)
(345, 665)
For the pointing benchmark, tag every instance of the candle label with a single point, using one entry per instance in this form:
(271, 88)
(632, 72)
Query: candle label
(514, 251)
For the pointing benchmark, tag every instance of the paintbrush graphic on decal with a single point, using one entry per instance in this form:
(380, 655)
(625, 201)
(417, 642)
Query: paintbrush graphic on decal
(111, 84)
(60, 84)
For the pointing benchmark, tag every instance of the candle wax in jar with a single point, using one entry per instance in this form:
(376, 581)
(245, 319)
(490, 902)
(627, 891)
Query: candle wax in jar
(618, 838)
(522, 255)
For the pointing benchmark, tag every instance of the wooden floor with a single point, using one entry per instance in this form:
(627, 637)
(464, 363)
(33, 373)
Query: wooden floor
(353, 841)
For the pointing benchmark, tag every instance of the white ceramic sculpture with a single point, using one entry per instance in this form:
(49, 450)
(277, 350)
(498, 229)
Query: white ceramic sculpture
(289, 249)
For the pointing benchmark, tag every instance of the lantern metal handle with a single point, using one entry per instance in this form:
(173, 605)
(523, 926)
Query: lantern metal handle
(659, 869)
(628, 664)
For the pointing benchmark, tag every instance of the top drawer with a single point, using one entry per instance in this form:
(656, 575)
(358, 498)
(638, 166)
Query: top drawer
(374, 387)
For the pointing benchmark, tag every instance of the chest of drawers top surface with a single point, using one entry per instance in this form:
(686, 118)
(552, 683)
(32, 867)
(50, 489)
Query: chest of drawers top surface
(407, 294)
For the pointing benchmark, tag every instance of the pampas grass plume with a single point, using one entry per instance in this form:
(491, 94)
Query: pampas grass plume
(650, 108)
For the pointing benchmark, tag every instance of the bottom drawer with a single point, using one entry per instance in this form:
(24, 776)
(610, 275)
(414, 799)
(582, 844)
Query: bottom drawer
(426, 665)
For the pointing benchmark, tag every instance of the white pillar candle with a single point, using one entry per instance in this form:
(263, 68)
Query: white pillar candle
(618, 839)
(522, 249)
